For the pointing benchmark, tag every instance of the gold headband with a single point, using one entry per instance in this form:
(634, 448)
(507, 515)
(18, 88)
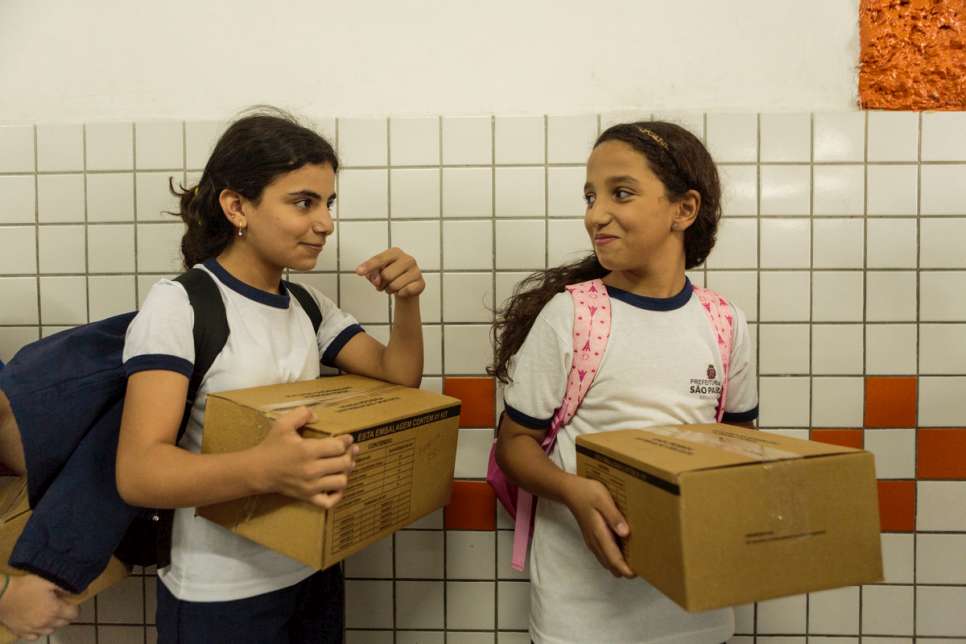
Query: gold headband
(654, 137)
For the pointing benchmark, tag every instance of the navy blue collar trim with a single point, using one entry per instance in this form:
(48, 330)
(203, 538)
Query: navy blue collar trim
(654, 303)
(276, 300)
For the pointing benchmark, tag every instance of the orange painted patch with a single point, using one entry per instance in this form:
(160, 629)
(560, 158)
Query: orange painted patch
(843, 437)
(890, 402)
(478, 396)
(472, 507)
(897, 506)
(941, 453)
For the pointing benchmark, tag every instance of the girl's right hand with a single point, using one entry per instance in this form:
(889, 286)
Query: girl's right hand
(33, 607)
(599, 520)
(313, 470)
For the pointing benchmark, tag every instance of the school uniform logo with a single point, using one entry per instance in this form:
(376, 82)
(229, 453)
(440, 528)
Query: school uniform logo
(707, 388)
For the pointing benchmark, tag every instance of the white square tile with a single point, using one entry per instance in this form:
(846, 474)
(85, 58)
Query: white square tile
(359, 298)
(784, 615)
(521, 244)
(154, 199)
(421, 239)
(839, 136)
(784, 402)
(468, 245)
(60, 147)
(941, 243)
(941, 505)
(837, 296)
(13, 338)
(839, 189)
(159, 145)
(837, 402)
(363, 194)
(513, 610)
(893, 136)
(504, 557)
(110, 248)
(521, 192)
(120, 634)
(784, 349)
(75, 634)
(109, 146)
(63, 300)
(159, 248)
(887, 610)
(470, 637)
(432, 344)
(935, 305)
(420, 554)
(893, 189)
(325, 126)
(786, 243)
(835, 612)
(738, 287)
(784, 296)
(110, 295)
(745, 619)
(467, 140)
(890, 349)
(565, 186)
(837, 349)
(19, 256)
(895, 452)
(363, 141)
(18, 195)
(17, 148)
(897, 558)
(470, 604)
(433, 520)
(472, 453)
(110, 197)
(469, 297)
(943, 137)
(785, 137)
(567, 241)
(467, 192)
(369, 604)
(693, 122)
(417, 637)
(60, 198)
(739, 189)
(941, 401)
(520, 139)
(570, 139)
(798, 434)
(419, 604)
(470, 554)
(414, 193)
(737, 245)
(20, 294)
(200, 139)
(942, 189)
(505, 283)
(733, 138)
(942, 348)
(939, 559)
(619, 117)
(414, 141)
(61, 249)
(891, 296)
(892, 243)
(939, 610)
(467, 349)
(122, 603)
(785, 189)
(839, 243)
(361, 240)
(373, 637)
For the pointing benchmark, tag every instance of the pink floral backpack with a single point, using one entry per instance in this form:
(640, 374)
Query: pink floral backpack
(592, 317)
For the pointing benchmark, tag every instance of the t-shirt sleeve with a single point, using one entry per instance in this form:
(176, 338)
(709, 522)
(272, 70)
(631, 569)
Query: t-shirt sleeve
(160, 337)
(539, 369)
(741, 405)
(337, 328)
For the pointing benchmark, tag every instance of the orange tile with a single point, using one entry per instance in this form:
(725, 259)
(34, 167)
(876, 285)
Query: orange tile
(843, 437)
(890, 402)
(941, 453)
(478, 396)
(472, 507)
(897, 506)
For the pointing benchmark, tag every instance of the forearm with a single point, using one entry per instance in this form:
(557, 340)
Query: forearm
(523, 460)
(402, 359)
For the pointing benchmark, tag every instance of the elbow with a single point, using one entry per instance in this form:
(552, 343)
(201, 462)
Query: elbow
(127, 486)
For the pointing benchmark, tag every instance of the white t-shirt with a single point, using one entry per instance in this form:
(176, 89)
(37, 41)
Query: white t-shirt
(271, 341)
(655, 371)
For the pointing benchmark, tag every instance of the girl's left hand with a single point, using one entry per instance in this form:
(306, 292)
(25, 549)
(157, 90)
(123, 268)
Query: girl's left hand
(393, 271)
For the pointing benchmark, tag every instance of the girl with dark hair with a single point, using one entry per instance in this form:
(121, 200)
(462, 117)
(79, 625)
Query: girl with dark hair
(261, 206)
(653, 205)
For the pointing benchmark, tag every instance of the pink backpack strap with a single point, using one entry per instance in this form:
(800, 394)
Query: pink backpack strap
(723, 325)
(592, 316)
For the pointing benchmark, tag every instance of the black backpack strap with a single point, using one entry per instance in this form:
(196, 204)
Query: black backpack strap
(309, 305)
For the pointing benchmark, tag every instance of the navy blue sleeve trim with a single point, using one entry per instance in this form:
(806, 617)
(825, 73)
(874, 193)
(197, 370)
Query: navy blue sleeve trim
(527, 421)
(159, 362)
(740, 416)
(328, 358)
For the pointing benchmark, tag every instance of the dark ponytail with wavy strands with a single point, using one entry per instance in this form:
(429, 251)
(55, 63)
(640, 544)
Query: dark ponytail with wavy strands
(682, 163)
(254, 150)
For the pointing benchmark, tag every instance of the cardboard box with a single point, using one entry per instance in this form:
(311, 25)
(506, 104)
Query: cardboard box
(723, 515)
(404, 469)
(14, 513)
